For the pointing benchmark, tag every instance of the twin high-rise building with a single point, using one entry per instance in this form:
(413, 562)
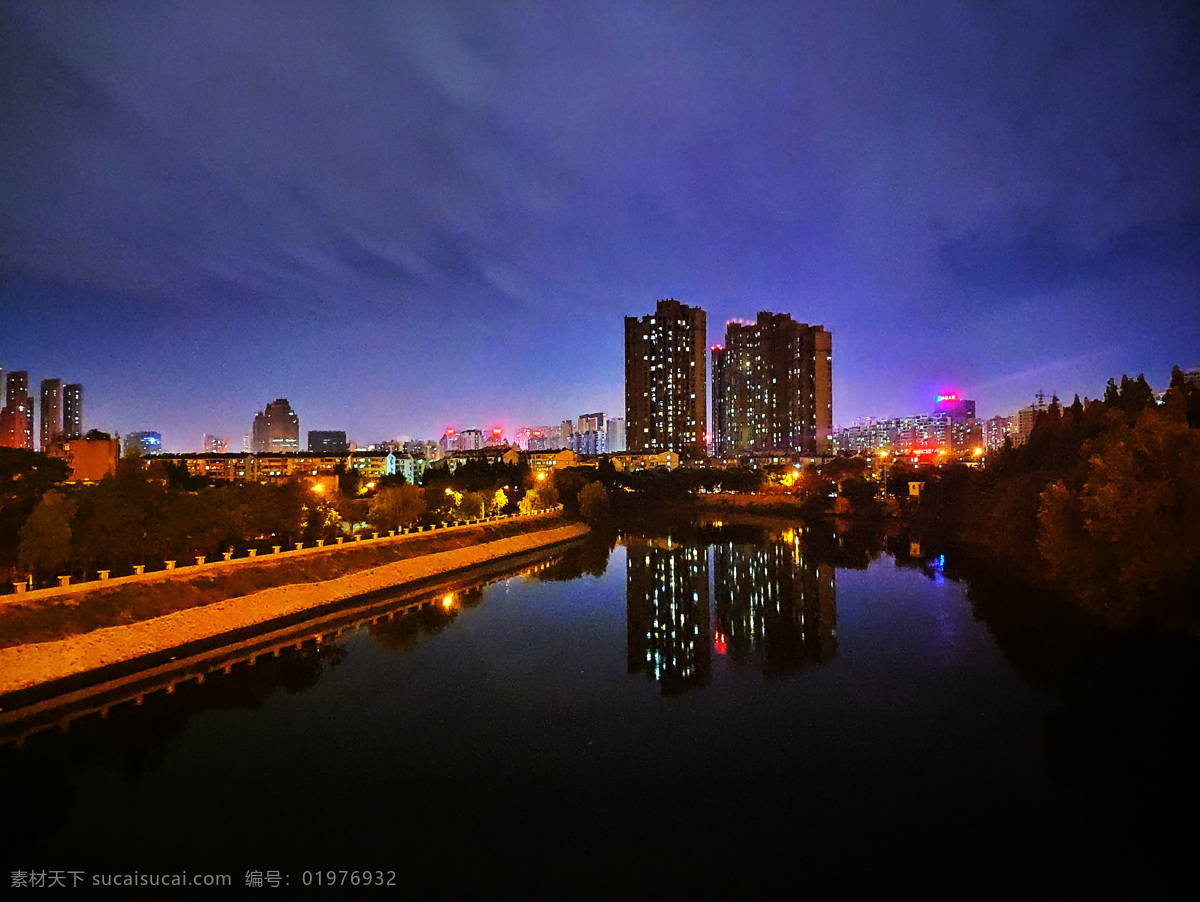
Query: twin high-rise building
(772, 384)
(773, 387)
(666, 380)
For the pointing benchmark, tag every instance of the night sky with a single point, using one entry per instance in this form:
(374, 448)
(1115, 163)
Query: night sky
(405, 216)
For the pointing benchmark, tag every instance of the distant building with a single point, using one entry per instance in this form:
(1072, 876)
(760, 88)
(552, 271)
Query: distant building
(215, 444)
(373, 464)
(616, 435)
(958, 409)
(591, 434)
(627, 461)
(773, 387)
(142, 443)
(327, 442)
(469, 440)
(899, 435)
(16, 417)
(72, 410)
(1027, 417)
(666, 381)
(90, 459)
(995, 431)
(276, 429)
(419, 450)
(542, 462)
(51, 425)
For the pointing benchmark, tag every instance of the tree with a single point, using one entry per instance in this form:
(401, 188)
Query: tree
(25, 477)
(567, 484)
(498, 502)
(1131, 530)
(46, 535)
(547, 494)
(471, 505)
(396, 507)
(530, 502)
(593, 503)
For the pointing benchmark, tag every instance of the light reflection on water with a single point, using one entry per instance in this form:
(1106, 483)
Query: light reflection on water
(610, 703)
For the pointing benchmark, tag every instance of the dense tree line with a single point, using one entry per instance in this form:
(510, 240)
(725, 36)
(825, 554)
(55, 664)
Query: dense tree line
(1103, 500)
(153, 511)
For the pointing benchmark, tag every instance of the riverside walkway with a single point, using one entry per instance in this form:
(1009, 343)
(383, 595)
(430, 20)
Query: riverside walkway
(72, 662)
(66, 589)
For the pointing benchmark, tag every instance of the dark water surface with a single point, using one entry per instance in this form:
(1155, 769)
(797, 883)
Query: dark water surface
(715, 708)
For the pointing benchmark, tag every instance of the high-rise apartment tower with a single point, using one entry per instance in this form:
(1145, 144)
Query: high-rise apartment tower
(773, 387)
(666, 380)
(72, 411)
(52, 412)
(16, 417)
(276, 429)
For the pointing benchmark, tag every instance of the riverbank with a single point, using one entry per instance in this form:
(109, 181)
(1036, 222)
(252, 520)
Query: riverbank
(32, 663)
(50, 614)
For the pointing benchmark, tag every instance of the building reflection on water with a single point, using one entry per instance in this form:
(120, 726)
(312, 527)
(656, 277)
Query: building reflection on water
(772, 605)
(667, 613)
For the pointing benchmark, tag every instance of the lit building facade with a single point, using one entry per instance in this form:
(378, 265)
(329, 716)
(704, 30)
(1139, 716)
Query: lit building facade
(50, 428)
(141, 443)
(666, 380)
(72, 411)
(773, 387)
(16, 417)
(276, 429)
(327, 442)
(995, 431)
(615, 440)
(958, 409)
(88, 459)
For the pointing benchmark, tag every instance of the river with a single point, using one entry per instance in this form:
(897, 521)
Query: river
(693, 707)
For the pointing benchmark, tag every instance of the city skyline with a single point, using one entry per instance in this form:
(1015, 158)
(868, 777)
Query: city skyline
(987, 201)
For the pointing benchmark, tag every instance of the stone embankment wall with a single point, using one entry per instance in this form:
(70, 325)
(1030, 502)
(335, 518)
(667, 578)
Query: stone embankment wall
(22, 666)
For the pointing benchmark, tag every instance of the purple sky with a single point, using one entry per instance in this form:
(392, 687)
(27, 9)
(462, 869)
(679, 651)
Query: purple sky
(403, 216)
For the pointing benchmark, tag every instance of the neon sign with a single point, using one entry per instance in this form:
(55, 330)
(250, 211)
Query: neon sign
(941, 398)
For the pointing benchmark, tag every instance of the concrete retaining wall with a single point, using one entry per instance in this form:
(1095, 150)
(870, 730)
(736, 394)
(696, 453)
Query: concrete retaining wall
(22, 666)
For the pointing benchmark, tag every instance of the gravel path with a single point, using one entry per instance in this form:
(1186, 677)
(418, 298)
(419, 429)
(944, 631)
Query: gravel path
(27, 665)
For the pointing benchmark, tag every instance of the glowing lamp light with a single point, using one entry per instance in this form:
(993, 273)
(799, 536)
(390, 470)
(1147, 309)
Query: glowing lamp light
(448, 601)
(318, 488)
